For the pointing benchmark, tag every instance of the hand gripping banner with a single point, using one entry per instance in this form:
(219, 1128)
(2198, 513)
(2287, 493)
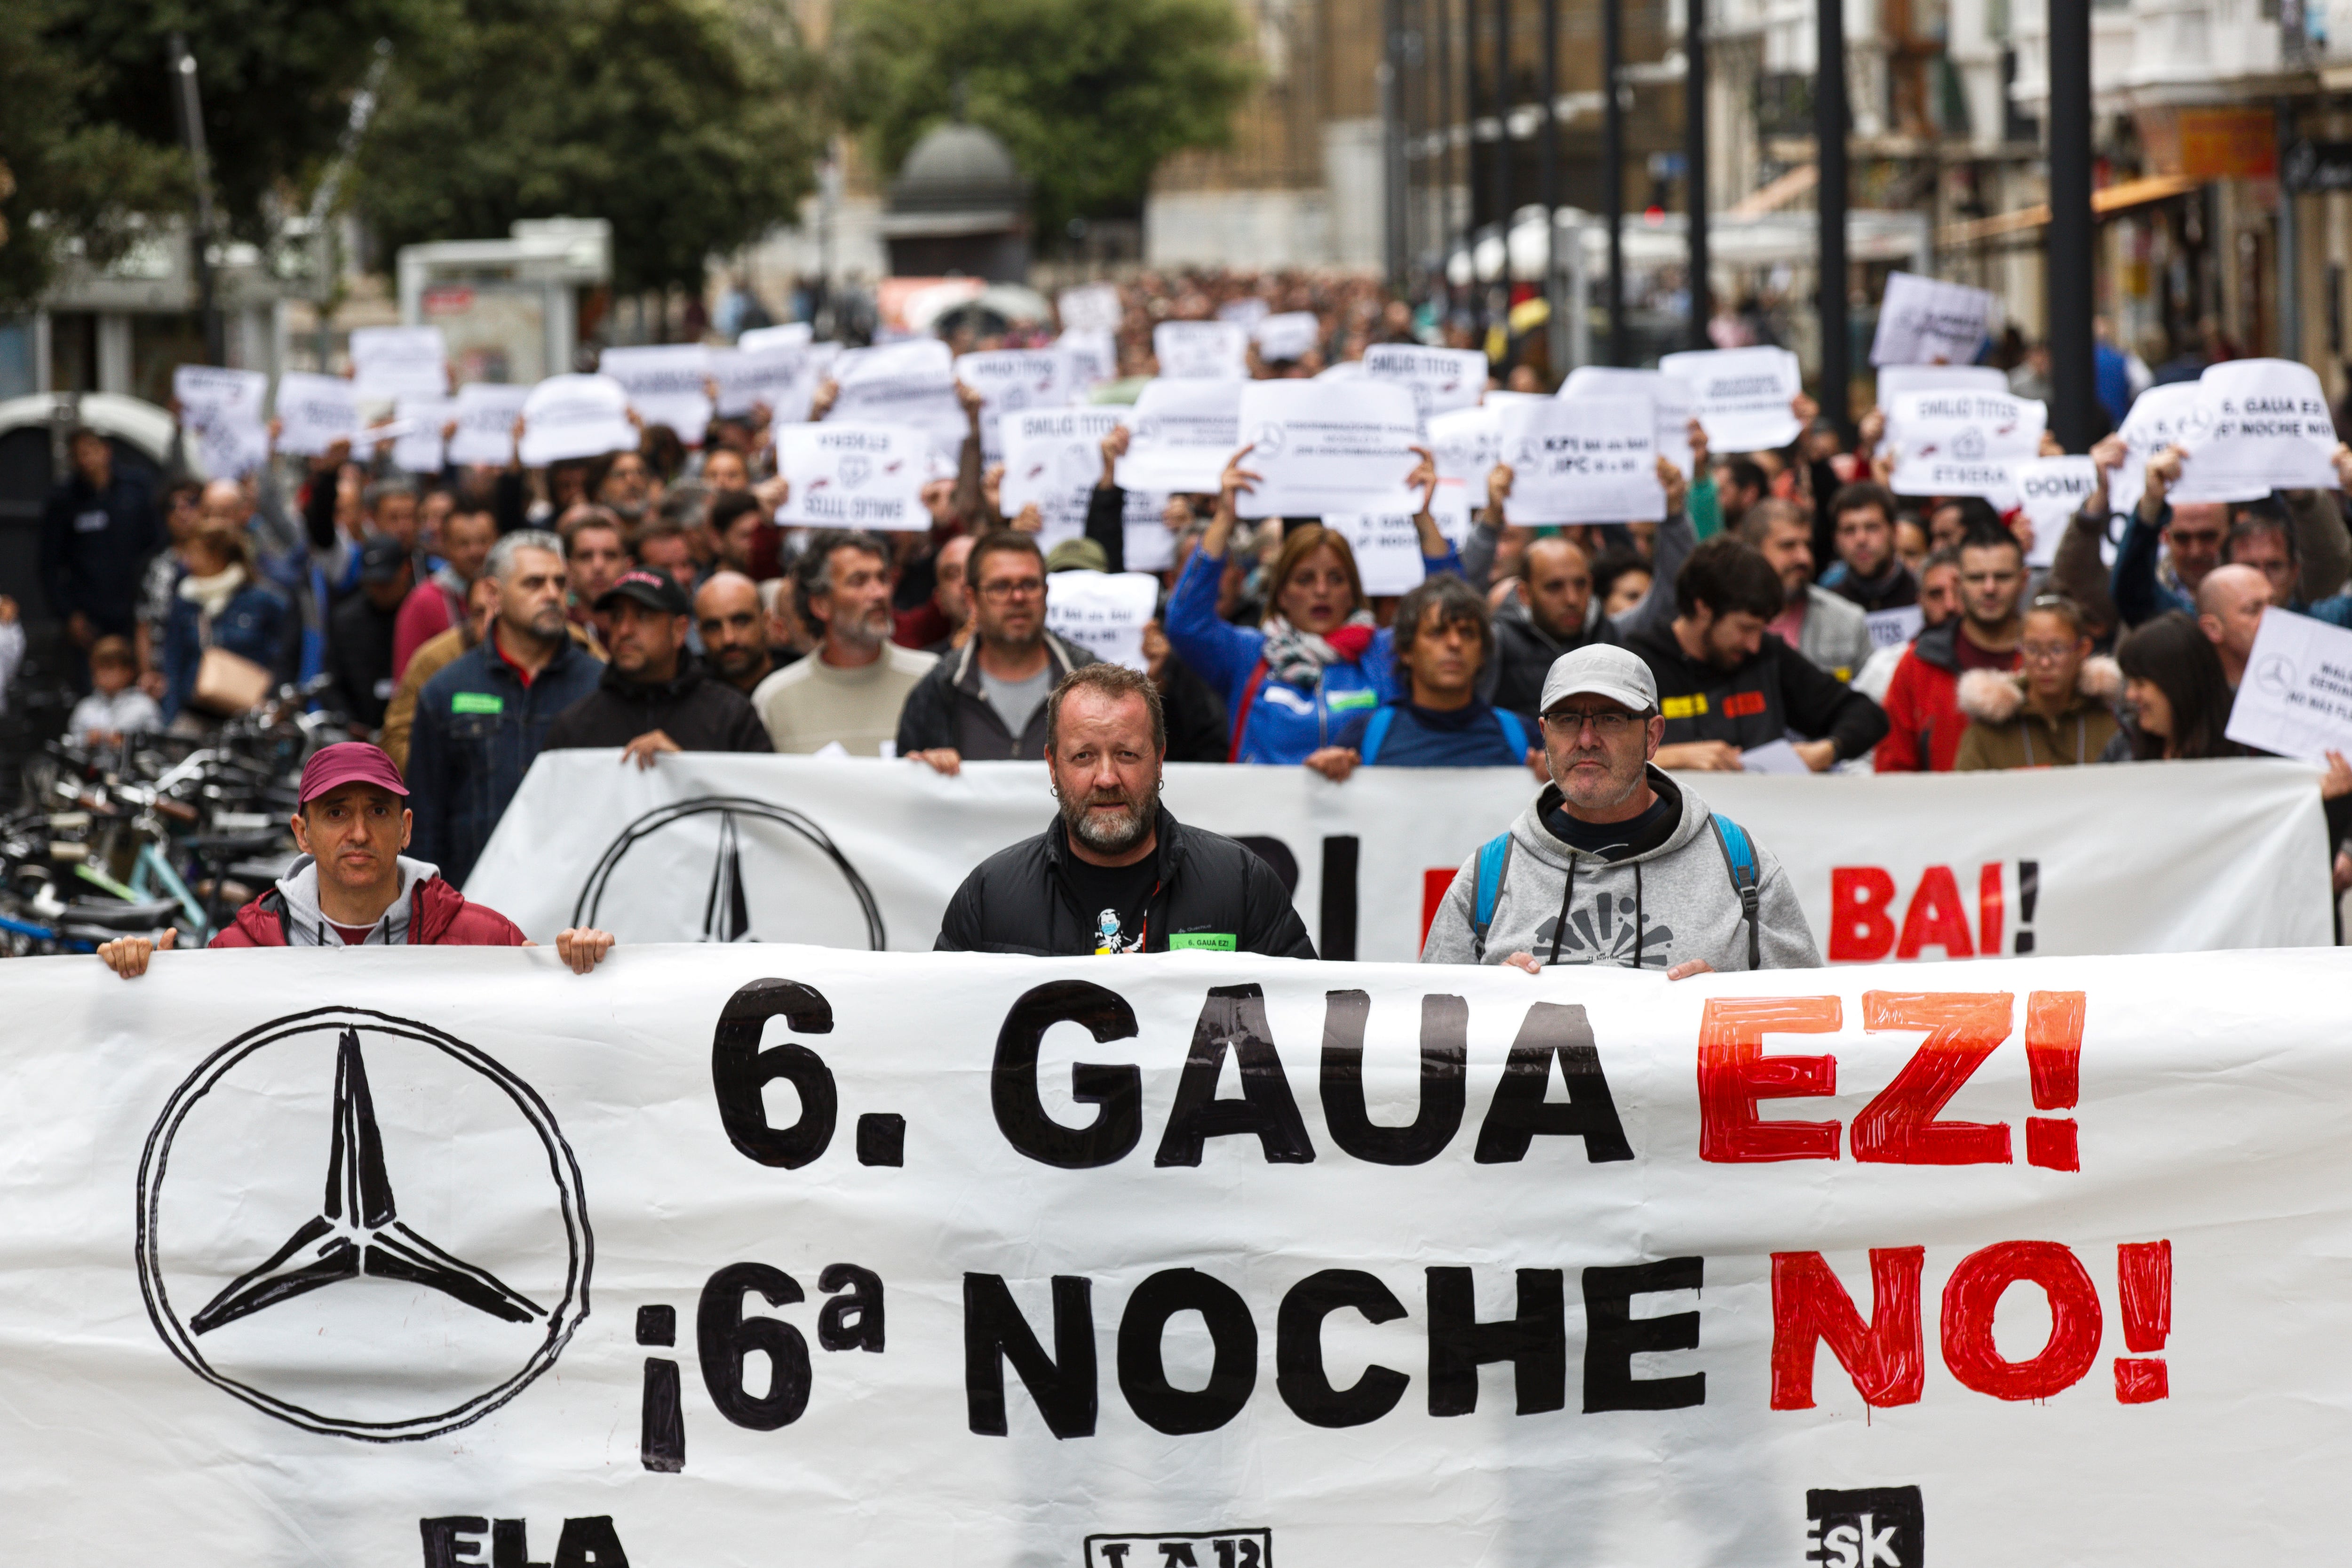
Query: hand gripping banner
(742, 1255)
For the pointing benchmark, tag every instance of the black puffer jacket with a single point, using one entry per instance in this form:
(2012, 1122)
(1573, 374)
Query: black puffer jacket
(697, 710)
(1017, 901)
(950, 708)
(1524, 653)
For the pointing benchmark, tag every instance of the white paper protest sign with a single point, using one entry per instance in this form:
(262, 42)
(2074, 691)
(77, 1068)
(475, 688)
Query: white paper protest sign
(1442, 380)
(1387, 545)
(777, 375)
(486, 414)
(576, 416)
(2297, 698)
(1287, 336)
(1672, 397)
(1182, 431)
(1584, 460)
(1246, 312)
(787, 335)
(1103, 612)
(1052, 460)
(1345, 369)
(223, 410)
(390, 362)
(314, 412)
(2159, 418)
(2257, 425)
(910, 384)
(1324, 446)
(844, 475)
(1894, 380)
(1092, 356)
(1092, 308)
(667, 384)
(1744, 397)
(1467, 443)
(419, 450)
(1962, 443)
(1010, 381)
(1893, 628)
(2050, 492)
(1925, 321)
(1150, 543)
(1213, 351)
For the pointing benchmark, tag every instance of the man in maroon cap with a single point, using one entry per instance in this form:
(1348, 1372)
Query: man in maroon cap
(353, 887)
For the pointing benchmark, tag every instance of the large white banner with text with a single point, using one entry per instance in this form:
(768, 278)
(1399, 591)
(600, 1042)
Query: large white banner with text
(738, 1255)
(2153, 857)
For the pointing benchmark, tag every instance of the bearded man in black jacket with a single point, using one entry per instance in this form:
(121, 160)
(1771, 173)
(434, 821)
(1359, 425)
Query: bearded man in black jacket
(656, 697)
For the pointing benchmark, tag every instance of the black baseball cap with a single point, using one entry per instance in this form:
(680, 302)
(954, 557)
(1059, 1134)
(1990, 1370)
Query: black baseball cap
(653, 590)
(381, 559)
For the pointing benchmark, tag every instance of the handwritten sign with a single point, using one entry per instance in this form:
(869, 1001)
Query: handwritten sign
(853, 476)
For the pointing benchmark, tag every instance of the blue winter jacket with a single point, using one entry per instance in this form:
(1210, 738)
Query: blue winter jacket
(254, 624)
(1274, 722)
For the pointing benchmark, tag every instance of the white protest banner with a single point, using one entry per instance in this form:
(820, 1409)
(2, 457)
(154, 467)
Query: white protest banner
(1925, 321)
(1583, 459)
(1093, 307)
(1246, 312)
(911, 384)
(777, 375)
(1893, 628)
(1149, 544)
(1672, 398)
(667, 384)
(576, 416)
(1215, 351)
(853, 476)
(2048, 860)
(1327, 446)
(1387, 545)
(1103, 612)
(787, 335)
(1092, 357)
(1011, 380)
(2159, 417)
(1182, 431)
(223, 410)
(1053, 459)
(1744, 397)
(1442, 380)
(420, 449)
(1468, 443)
(337, 1258)
(486, 414)
(1894, 380)
(314, 412)
(2297, 698)
(1961, 442)
(2050, 490)
(1287, 336)
(2258, 424)
(389, 363)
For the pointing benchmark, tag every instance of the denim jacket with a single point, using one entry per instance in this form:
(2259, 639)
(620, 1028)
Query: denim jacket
(478, 729)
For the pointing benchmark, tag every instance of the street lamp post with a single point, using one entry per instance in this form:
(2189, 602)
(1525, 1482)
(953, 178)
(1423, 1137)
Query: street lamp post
(2066, 268)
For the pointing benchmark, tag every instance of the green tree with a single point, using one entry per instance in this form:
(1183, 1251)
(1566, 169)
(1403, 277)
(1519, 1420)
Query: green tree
(1089, 95)
(692, 125)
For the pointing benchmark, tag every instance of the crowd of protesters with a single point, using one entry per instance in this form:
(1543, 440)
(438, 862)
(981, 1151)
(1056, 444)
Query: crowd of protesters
(645, 600)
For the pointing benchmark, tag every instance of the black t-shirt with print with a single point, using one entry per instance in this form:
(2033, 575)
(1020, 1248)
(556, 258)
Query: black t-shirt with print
(1117, 900)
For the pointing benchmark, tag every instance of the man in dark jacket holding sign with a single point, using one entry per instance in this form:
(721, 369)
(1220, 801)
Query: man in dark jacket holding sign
(1116, 873)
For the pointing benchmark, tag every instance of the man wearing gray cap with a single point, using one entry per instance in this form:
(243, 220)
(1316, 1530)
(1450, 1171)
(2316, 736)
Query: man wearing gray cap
(1614, 862)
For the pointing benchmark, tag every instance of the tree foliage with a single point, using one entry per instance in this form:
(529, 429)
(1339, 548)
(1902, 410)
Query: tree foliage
(691, 124)
(1089, 95)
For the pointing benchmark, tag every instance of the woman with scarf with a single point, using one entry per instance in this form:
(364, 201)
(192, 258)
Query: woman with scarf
(1317, 659)
(220, 603)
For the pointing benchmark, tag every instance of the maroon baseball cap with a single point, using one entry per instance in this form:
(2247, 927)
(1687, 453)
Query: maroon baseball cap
(349, 761)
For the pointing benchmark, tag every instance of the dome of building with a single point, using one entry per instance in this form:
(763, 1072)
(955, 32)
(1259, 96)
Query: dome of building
(958, 167)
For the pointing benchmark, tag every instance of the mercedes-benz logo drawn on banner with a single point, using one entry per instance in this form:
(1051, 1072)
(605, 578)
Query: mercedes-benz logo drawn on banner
(726, 914)
(362, 1225)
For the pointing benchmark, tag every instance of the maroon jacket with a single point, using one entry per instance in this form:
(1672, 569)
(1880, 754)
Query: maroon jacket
(439, 916)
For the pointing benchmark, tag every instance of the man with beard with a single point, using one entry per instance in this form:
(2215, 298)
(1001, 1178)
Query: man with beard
(1554, 612)
(1116, 873)
(985, 702)
(734, 627)
(1868, 571)
(1727, 685)
(1827, 629)
(655, 696)
(849, 691)
(1615, 863)
(1923, 699)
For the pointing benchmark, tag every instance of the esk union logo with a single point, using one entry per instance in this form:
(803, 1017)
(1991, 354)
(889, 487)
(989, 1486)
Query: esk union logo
(362, 1225)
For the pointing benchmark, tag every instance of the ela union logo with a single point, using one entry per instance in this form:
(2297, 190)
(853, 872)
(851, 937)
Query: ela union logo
(362, 1225)
(1873, 1527)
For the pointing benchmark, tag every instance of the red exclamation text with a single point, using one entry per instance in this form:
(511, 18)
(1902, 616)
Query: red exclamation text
(2143, 1273)
(2053, 1055)
(1989, 909)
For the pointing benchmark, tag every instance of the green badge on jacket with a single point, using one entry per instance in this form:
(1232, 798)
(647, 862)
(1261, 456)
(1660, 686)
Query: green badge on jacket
(477, 702)
(1343, 702)
(1207, 941)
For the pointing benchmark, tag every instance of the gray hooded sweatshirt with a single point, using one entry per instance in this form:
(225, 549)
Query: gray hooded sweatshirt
(307, 925)
(1652, 911)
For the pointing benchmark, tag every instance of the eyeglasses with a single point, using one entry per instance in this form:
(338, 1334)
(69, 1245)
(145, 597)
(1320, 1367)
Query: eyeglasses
(1609, 724)
(1019, 588)
(2044, 653)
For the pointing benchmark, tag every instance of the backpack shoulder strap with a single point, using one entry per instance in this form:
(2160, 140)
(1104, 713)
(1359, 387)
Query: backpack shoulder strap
(1241, 709)
(1739, 860)
(1515, 734)
(1493, 856)
(1376, 732)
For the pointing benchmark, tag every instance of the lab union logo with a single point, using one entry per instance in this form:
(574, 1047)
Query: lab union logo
(1872, 1527)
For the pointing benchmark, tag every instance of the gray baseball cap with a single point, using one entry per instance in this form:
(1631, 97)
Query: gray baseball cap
(1602, 669)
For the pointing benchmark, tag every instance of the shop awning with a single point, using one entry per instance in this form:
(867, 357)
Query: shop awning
(2114, 198)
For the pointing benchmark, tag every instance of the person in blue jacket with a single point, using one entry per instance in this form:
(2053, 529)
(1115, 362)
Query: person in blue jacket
(222, 603)
(1318, 660)
(1444, 636)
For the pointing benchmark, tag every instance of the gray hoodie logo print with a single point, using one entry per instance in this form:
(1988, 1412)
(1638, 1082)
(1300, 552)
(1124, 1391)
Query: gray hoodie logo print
(1602, 932)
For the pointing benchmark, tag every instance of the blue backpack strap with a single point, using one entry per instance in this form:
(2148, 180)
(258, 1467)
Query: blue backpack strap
(1376, 731)
(1739, 860)
(1487, 890)
(1515, 734)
